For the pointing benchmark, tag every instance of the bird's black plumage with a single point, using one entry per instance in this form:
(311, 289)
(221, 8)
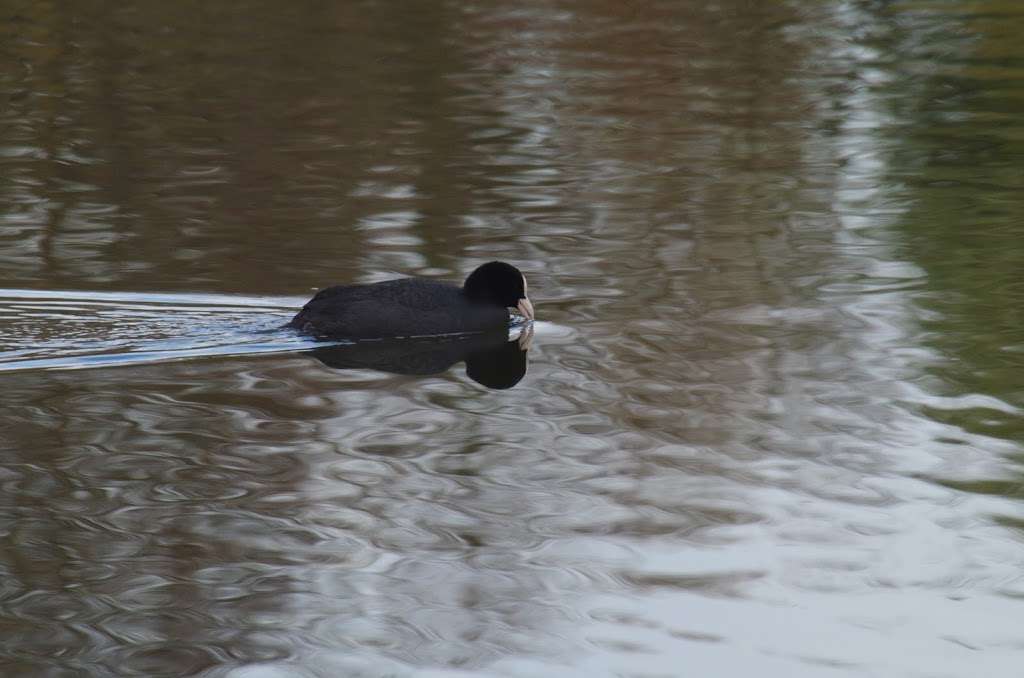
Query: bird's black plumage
(414, 307)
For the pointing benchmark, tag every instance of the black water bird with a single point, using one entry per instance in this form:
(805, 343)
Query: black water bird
(417, 307)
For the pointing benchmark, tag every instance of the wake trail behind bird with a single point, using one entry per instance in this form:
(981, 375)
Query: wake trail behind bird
(44, 329)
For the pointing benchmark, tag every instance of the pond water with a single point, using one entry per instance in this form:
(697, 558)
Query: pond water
(771, 421)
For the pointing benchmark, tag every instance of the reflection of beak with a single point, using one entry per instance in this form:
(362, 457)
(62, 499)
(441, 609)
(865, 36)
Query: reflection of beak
(526, 338)
(525, 308)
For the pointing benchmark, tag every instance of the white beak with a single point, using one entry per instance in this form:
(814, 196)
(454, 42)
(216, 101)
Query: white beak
(525, 308)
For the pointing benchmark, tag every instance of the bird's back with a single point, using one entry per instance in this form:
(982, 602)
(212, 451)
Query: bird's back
(395, 308)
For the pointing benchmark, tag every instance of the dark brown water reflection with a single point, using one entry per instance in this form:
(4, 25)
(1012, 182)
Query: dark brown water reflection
(772, 422)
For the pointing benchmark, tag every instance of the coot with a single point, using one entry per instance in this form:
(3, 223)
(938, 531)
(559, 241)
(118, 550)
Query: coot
(416, 307)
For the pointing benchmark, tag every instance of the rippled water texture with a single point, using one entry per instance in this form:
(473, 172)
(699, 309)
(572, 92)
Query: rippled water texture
(772, 419)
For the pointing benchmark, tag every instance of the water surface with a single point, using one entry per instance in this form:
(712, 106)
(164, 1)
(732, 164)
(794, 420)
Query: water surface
(772, 421)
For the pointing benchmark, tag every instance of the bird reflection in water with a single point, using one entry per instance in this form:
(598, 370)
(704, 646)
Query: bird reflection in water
(492, 360)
